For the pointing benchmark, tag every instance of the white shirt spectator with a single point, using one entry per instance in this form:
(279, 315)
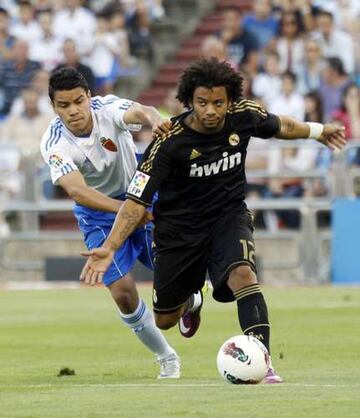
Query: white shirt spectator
(292, 105)
(101, 59)
(291, 55)
(341, 45)
(105, 50)
(79, 25)
(45, 108)
(266, 87)
(342, 10)
(30, 32)
(47, 51)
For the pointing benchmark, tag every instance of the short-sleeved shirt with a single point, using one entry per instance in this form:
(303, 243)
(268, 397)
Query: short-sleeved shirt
(200, 176)
(106, 159)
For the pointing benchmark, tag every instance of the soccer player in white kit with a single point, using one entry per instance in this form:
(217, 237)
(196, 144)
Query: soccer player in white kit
(92, 156)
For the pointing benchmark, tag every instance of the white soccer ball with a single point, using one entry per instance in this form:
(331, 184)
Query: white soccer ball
(243, 360)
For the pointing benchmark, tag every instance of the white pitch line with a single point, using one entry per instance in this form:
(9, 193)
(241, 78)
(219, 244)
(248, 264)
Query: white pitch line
(166, 384)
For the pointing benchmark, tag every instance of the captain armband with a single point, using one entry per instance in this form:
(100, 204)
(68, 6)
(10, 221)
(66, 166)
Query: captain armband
(316, 130)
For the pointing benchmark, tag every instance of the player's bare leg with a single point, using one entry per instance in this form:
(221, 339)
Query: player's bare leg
(187, 316)
(252, 310)
(135, 314)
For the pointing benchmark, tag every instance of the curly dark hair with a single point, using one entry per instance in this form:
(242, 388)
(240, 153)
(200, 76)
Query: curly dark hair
(209, 73)
(66, 78)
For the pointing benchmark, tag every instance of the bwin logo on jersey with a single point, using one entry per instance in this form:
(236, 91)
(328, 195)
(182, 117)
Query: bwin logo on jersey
(216, 167)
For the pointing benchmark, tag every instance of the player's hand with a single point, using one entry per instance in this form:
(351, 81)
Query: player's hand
(161, 127)
(333, 136)
(148, 217)
(99, 260)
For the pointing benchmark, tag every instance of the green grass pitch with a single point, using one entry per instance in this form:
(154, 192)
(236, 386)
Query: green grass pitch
(315, 347)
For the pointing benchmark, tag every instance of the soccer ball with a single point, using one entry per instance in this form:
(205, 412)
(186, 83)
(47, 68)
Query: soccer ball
(243, 360)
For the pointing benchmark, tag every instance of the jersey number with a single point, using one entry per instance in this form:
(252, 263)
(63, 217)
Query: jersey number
(248, 250)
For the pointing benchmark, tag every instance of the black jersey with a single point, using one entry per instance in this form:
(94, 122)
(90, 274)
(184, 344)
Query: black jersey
(199, 176)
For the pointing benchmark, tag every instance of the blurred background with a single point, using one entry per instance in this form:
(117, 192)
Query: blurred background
(298, 57)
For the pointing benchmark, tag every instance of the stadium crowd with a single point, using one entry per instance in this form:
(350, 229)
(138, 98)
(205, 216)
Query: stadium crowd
(298, 57)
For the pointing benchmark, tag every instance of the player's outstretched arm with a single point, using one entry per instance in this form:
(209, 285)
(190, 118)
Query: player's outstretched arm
(75, 186)
(99, 259)
(329, 134)
(148, 116)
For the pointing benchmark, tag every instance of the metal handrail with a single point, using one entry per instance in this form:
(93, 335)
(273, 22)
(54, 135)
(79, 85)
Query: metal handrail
(308, 237)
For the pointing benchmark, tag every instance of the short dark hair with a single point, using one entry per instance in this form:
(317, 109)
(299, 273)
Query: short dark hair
(289, 74)
(66, 78)
(209, 73)
(336, 64)
(323, 12)
(4, 11)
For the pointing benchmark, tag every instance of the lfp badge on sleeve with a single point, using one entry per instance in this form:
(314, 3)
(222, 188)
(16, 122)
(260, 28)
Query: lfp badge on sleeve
(138, 183)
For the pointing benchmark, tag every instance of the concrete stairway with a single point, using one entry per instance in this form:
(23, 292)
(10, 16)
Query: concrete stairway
(187, 51)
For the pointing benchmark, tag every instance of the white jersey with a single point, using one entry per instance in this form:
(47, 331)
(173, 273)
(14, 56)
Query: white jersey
(106, 159)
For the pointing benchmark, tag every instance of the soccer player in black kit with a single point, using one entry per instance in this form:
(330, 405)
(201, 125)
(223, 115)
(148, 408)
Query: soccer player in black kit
(202, 223)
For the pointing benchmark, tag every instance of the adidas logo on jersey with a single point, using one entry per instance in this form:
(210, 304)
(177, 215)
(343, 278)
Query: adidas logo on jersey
(224, 164)
(194, 154)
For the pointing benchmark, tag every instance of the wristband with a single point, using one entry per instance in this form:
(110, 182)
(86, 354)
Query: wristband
(316, 129)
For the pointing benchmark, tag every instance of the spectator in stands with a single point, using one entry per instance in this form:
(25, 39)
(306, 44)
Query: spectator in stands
(313, 107)
(27, 27)
(257, 187)
(142, 139)
(334, 42)
(46, 5)
(39, 83)
(242, 44)
(10, 6)
(103, 59)
(127, 63)
(10, 181)
(172, 106)
(16, 74)
(262, 22)
(214, 47)
(349, 11)
(349, 112)
(290, 44)
(25, 130)
(320, 159)
(267, 84)
(77, 23)
(309, 71)
(353, 28)
(72, 59)
(289, 101)
(140, 38)
(333, 82)
(10, 177)
(248, 76)
(47, 49)
(6, 39)
(154, 8)
(303, 9)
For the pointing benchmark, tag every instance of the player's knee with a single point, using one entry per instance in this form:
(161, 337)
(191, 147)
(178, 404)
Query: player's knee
(165, 322)
(241, 276)
(124, 301)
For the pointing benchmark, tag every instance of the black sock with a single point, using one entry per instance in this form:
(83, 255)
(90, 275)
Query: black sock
(253, 314)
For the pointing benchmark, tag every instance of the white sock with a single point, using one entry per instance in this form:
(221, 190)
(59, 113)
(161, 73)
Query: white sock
(196, 303)
(143, 324)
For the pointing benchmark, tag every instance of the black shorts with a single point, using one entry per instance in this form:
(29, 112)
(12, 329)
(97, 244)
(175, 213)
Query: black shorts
(182, 260)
